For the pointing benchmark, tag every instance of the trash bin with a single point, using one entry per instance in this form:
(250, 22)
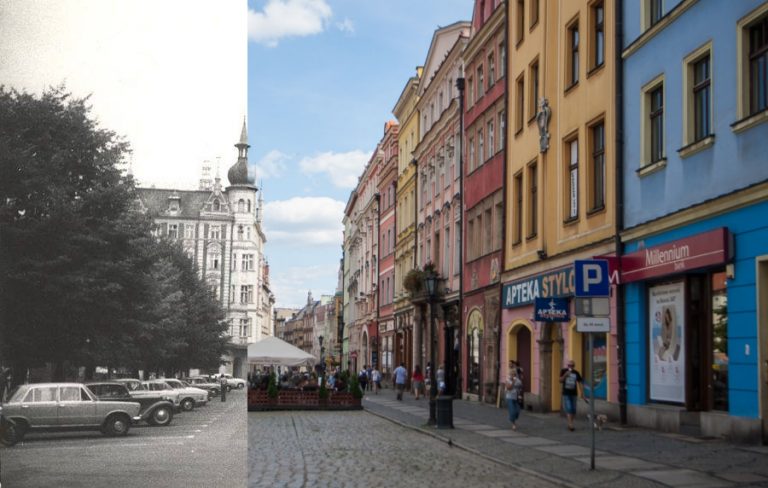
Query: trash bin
(444, 412)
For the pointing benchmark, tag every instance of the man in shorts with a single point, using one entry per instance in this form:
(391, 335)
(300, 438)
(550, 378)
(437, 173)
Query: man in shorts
(571, 380)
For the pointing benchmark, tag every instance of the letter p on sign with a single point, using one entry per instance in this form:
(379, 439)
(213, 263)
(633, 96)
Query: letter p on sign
(592, 278)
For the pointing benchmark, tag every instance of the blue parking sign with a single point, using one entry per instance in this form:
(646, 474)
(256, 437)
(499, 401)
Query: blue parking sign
(591, 278)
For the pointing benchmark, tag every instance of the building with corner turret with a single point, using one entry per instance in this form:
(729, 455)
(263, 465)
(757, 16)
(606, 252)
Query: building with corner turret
(220, 229)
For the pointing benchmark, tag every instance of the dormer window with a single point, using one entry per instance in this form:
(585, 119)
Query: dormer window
(216, 205)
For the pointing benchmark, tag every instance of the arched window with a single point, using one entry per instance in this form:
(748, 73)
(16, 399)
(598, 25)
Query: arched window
(475, 331)
(241, 205)
(240, 231)
(216, 205)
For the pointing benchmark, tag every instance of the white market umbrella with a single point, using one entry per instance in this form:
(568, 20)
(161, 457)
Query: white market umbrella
(272, 351)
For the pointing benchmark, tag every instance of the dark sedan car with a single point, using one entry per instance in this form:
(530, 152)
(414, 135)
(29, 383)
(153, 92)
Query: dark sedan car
(155, 410)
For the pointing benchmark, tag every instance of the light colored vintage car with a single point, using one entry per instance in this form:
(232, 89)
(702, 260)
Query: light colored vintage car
(153, 388)
(67, 406)
(189, 396)
(232, 382)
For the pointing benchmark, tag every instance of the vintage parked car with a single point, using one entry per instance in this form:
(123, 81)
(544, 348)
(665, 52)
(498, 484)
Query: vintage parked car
(155, 410)
(190, 397)
(214, 389)
(67, 406)
(238, 383)
(153, 388)
(130, 383)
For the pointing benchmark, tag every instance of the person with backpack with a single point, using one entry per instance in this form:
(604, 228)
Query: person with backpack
(362, 377)
(400, 377)
(572, 381)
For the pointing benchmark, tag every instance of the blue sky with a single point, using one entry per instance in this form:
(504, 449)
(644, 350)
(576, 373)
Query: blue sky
(323, 77)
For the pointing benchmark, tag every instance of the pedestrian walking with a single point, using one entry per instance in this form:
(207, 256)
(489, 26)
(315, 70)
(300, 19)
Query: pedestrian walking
(440, 378)
(369, 372)
(362, 377)
(376, 380)
(572, 382)
(418, 382)
(400, 377)
(513, 390)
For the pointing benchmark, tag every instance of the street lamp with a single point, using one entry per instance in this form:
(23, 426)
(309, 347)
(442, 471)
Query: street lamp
(322, 353)
(431, 284)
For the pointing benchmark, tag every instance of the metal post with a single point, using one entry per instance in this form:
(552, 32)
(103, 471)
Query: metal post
(432, 379)
(592, 400)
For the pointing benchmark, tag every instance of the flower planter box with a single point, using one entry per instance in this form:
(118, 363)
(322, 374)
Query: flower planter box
(302, 400)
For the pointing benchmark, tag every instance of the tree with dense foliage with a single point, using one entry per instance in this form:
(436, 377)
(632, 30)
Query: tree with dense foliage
(82, 280)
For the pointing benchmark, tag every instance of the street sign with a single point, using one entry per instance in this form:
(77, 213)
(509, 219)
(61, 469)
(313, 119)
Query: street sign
(593, 324)
(591, 278)
(552, 310)
(592, 307)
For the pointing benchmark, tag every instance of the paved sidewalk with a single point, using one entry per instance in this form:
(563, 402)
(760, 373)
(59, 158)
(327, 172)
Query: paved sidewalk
(627, 457)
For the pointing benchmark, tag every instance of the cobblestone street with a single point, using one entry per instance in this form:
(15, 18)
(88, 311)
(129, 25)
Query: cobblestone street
(352, 449)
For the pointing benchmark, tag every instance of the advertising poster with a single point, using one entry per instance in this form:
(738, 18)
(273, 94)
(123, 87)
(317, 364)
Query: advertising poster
(666, 305)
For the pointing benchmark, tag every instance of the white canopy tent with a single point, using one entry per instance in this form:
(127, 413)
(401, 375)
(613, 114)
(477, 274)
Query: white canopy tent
(272, 351)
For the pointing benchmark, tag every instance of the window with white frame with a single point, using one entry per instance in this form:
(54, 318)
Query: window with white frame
(189, 231)
(491, 140)
(573, 178)
(697, 104)
(246, 294)
(214, 232)
(244, 330)
(173, 231)
(214, 261)
(598, 165)
(247, 264)
(480, 147)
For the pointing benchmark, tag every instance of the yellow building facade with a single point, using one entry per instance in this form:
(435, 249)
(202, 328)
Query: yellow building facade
(405, 248)
(560, 184)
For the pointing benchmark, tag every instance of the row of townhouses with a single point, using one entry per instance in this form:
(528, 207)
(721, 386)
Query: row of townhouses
(220, 228)
(548, 131)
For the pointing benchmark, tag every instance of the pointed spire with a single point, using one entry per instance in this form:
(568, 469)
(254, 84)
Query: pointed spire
(244, 133)
(238, 173)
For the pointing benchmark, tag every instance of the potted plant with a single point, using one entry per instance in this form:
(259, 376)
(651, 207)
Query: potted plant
(414, 281)
(354, 387)
(323, 392)
(272, 388)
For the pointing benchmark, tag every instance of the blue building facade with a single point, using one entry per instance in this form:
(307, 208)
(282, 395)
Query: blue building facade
(695, 219)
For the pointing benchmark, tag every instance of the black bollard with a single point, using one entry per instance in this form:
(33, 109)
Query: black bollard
(223, 383)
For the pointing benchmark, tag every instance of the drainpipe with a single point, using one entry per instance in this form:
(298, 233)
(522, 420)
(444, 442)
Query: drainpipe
(619, 209)
(460, 148)
(503, 191)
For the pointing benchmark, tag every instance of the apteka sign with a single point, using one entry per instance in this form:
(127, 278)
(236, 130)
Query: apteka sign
(558, 283)
(552, 310)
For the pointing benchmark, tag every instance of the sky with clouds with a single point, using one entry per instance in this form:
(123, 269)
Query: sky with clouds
(317, 80)
(170, 76)
(323, 77)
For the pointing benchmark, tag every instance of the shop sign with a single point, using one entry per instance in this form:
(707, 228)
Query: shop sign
(552, 310)
(558, 283)
(706, 249)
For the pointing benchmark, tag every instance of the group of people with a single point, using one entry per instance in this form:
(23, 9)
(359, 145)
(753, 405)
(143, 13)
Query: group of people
(570, 379)
(420, 383)
(370, 379)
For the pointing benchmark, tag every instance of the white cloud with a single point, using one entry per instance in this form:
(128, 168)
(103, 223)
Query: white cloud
(146, 64)
(291, 286)
(342, 169)
(272, 165)
(287, 18)
(304, 221)
(346, 26)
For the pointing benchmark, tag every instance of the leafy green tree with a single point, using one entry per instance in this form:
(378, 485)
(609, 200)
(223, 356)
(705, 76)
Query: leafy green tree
(82, 279)
(64, 242)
